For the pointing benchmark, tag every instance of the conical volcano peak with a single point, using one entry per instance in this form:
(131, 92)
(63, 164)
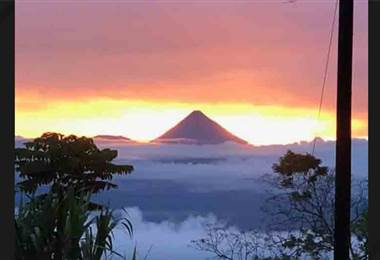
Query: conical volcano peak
(196, 113)
(197, 128)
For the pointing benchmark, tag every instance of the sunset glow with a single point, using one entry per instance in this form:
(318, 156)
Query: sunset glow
(137, 69)
(144, 121)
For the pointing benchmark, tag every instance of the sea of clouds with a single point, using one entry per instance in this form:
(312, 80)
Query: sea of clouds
(229, 160)
(175, 189)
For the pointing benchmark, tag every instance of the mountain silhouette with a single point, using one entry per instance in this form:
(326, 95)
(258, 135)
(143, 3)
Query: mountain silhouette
(112, 138)
(197, 128)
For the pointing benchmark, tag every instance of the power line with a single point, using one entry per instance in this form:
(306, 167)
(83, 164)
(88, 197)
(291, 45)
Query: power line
(326, 69)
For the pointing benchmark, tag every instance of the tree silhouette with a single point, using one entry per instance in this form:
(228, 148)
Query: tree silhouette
(66, 161)
(305, 202)
(301, 212)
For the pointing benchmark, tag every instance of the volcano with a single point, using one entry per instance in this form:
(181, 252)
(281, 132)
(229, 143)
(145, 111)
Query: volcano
(197, 128)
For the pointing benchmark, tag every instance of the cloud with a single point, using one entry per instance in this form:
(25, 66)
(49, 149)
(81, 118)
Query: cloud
(176, 189)
(188, 52)
(193, 162)
(164, 240)
(169, 241)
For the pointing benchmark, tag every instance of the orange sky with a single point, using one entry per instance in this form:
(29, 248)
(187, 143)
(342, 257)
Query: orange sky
(136, 69)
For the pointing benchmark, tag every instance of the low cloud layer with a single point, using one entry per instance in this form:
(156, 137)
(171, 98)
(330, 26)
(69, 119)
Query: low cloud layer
(164, 240)
(176, 189)
(168, 161)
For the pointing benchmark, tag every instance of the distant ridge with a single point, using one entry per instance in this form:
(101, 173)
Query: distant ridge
(197, 128)
(20, 140)
(112, 138)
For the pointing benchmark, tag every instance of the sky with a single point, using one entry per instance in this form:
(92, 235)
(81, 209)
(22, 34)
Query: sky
(136, 68)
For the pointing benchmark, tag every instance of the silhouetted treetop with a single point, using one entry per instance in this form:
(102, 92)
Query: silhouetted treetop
(66, 160)
(292, 164)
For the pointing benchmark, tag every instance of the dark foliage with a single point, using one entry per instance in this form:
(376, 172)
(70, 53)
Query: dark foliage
(301, 209)
(292, 164)
(59, 228)
(63, 223)
(66, 161)
(305, 202)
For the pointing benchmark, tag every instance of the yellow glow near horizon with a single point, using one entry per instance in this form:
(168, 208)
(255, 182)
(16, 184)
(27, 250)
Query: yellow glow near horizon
(144, 121)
